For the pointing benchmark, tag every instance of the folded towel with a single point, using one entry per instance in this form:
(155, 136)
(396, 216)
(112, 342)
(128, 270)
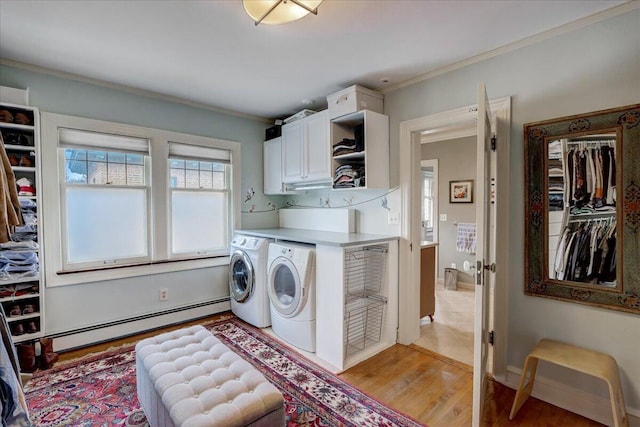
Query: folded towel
(466, 238)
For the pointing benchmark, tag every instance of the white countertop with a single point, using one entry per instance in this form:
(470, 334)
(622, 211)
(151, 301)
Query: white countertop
(427, 244)
(330, 238)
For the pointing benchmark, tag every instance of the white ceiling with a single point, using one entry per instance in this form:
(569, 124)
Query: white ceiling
(210, 52)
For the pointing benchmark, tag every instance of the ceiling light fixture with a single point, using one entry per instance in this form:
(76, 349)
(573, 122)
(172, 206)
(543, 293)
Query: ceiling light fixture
(279, 11)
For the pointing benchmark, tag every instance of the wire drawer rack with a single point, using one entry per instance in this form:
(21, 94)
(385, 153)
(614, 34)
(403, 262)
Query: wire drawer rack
(364, 296)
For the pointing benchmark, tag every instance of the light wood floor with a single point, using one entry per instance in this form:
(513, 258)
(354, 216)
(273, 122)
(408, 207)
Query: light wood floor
(431, 388)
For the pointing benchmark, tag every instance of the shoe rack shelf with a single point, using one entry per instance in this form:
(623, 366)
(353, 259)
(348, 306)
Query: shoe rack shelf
(22, 292)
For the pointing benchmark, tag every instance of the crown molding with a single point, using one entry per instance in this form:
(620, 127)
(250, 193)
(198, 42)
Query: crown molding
(571, 26)
(129, 89)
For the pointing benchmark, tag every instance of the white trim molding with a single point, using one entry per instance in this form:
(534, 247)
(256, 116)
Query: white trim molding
(412, 134)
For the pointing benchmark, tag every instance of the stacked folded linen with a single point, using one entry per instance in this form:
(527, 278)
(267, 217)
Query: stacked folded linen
(349, 175)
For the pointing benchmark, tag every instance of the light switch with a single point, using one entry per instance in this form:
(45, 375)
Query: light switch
(443, 217)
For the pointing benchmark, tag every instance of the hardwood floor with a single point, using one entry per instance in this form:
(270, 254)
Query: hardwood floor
(431, 388)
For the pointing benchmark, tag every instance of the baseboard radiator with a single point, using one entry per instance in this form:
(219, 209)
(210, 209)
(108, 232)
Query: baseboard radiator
(96, 334)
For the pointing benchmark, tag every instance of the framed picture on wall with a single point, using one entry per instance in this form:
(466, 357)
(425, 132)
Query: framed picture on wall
(461, 191)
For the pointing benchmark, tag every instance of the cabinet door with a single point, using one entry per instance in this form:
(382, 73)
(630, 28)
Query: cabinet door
(317, 156)
(292, 140)
(273, 166)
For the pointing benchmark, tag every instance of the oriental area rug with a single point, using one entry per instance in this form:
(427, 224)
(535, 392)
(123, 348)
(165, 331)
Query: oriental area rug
(100, 389)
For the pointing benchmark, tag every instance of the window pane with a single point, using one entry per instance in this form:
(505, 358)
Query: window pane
(192, 179)
(206, 180)
(176, 163)
(219, 180)
(199, 221)
(97, 156)
(104, 167)
(117, 173)
(135, 159)
(105, 223)
(97, 172)
(116, 157)
(192, 164)
(135, 175)
(177, 178)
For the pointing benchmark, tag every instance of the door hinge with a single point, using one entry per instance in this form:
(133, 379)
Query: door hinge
(493, 143)
(410, 247)
(491, 338)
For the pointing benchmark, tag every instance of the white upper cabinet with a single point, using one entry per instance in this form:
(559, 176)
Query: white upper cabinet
(272, 151)
(306, 154)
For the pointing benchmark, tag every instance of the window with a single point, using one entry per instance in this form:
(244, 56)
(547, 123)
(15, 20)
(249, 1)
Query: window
(199, 199)
(427, 204)
(105, 199)
(126, 201)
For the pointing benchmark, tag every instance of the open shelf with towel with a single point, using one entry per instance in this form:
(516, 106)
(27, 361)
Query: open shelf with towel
(360, 150)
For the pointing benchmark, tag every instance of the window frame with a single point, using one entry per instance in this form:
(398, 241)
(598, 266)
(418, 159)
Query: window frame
(51, 201)
(227, 190)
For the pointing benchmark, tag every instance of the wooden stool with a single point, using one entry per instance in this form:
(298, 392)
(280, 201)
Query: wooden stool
(590, 362)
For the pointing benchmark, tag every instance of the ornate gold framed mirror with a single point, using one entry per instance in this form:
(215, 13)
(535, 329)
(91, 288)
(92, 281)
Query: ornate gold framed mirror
(582, 208)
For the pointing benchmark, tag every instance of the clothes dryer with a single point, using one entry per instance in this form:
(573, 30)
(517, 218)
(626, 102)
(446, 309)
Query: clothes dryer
(248, 279)
(292, 294)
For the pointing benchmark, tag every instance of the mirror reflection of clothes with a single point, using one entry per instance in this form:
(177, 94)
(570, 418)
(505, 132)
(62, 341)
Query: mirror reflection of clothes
(591, 179)
(587, 252)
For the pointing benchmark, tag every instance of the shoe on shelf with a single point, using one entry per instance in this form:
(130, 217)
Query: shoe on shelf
(15, 311)
(32, 328)
(25, 161)
(6, 116)
(17, 329)
(13, 159)
(22, 119)
(29, 309)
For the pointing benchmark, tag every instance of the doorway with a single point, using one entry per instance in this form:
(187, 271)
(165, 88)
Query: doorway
(450, 331)
(451, 124)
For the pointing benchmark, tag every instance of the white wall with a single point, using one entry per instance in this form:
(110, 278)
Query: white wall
(588, 69)
(80, 306)
(456, 161)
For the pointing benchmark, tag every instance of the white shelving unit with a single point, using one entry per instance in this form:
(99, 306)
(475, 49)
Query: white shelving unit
(373, 159)
(22, 295)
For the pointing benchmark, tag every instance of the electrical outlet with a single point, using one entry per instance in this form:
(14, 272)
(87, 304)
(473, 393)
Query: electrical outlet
(164, 294)
(453, 265)
(443, 217)
(394, 218)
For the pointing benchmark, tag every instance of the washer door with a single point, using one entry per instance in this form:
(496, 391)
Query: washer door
(241, 276)
(285, 290)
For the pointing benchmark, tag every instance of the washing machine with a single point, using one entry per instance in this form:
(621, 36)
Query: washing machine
(292, 294)
(248, 279)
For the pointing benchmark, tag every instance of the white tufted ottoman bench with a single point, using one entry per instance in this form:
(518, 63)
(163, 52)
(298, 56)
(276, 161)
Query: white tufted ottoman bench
(188, 378)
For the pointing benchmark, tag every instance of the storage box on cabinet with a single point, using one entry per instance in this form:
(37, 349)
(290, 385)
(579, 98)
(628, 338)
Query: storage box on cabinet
(367, 164)
(21, 288)
(352, 99)
(305, 150)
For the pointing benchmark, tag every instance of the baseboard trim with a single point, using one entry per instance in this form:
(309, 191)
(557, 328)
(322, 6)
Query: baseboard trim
(120, 329)
(572, 399)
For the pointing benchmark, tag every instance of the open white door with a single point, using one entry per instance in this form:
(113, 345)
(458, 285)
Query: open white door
(482, 190)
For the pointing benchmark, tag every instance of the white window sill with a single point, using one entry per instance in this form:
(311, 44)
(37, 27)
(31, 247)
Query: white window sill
(54, 279)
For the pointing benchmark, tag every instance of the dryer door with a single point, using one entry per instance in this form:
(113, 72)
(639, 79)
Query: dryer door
(241, 276)
(285, 289)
